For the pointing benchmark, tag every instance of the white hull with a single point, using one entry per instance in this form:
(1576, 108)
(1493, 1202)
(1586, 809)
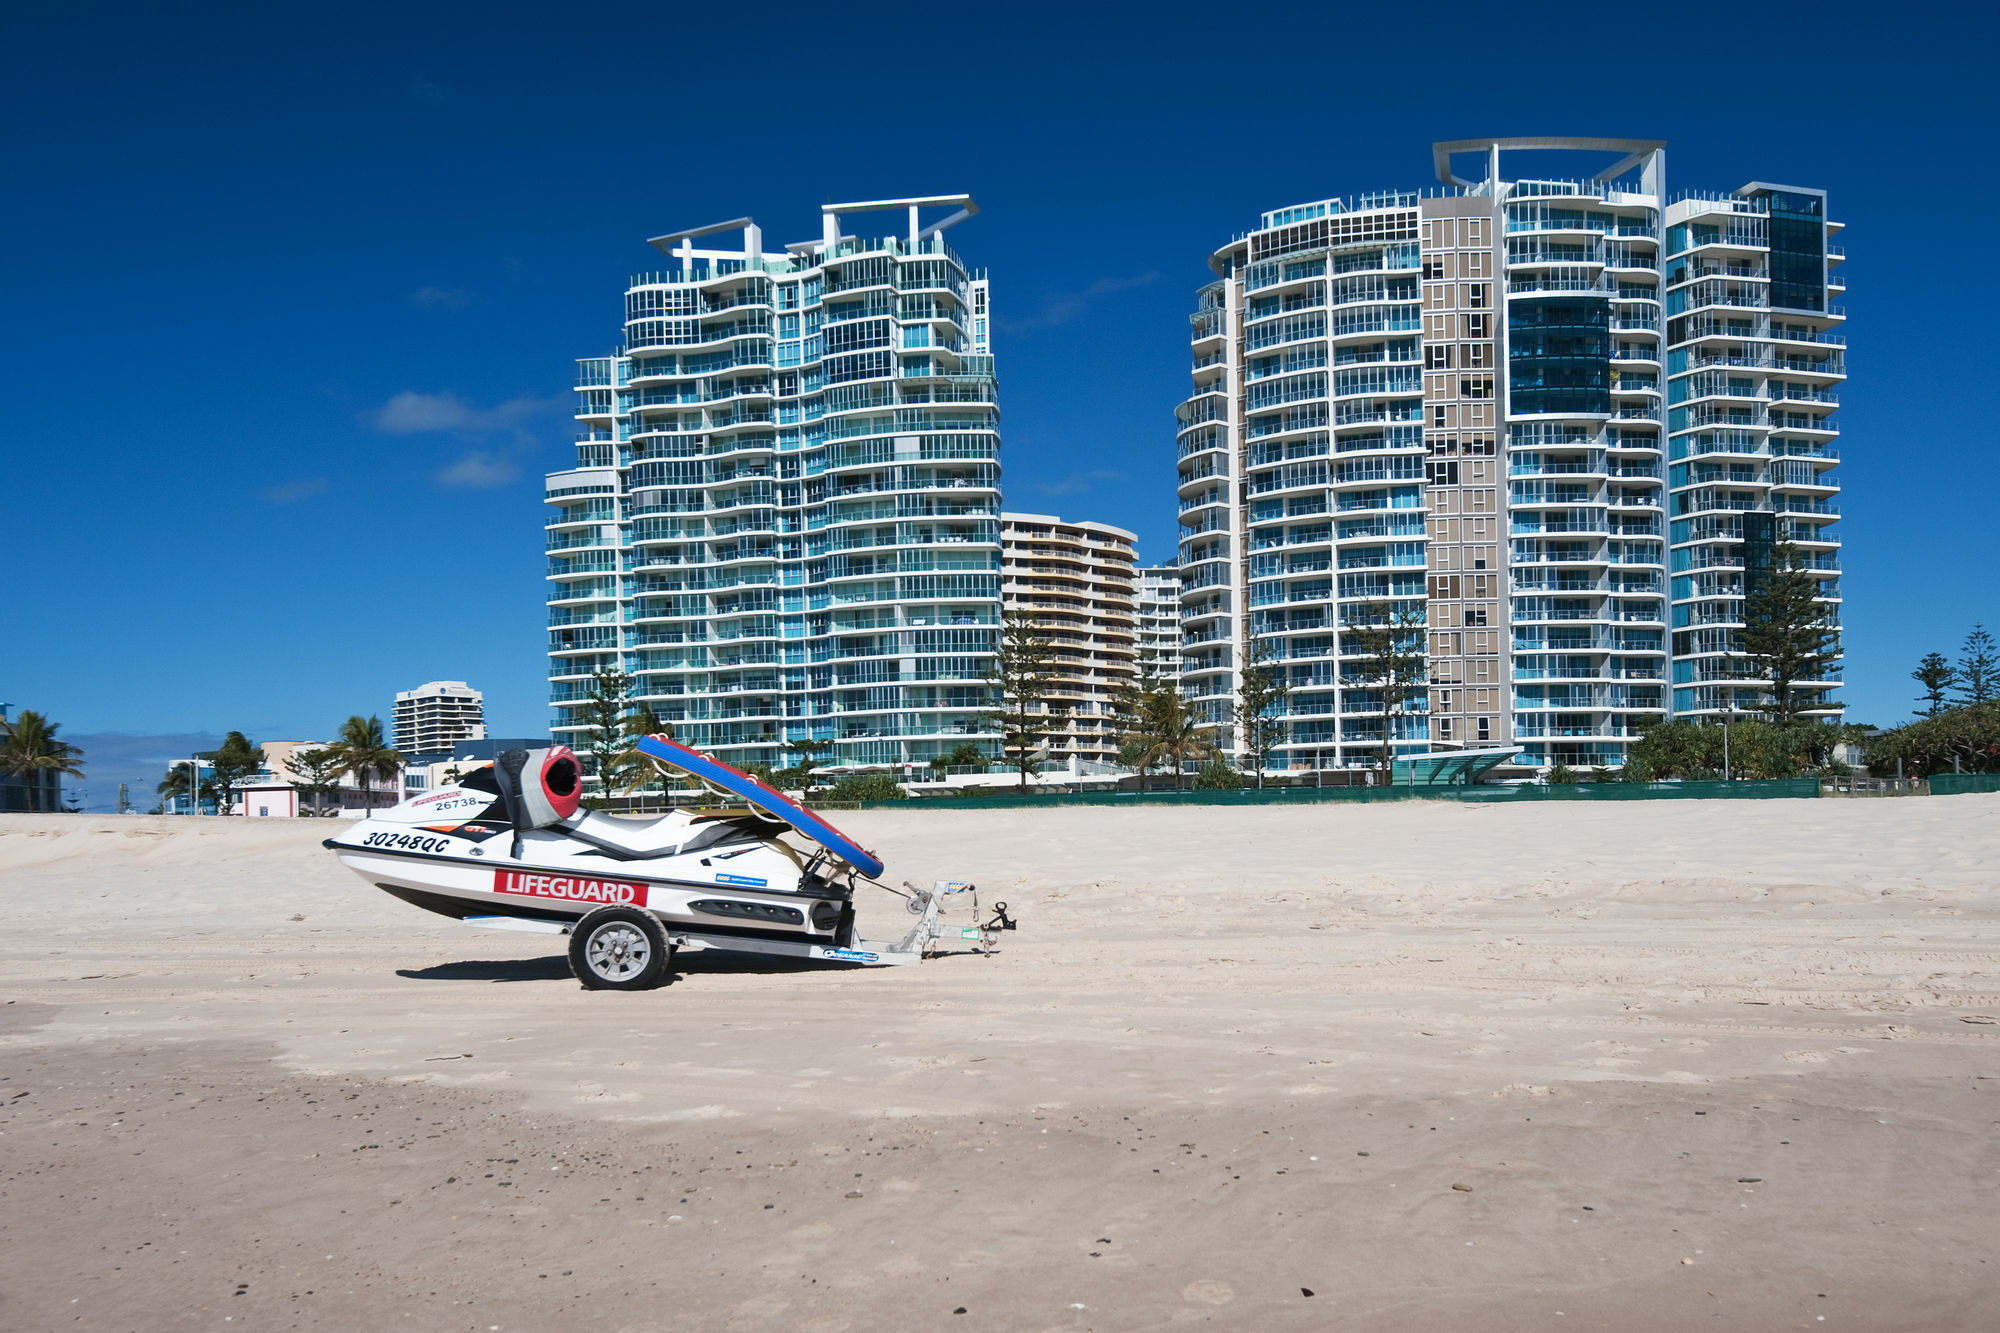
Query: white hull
(745, 885)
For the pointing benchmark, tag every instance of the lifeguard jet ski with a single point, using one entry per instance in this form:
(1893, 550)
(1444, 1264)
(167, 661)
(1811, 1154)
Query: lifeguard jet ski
(508, 846)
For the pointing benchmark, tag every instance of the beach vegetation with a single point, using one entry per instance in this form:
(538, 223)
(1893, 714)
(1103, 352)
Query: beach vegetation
(316, 774)
(1789, 634)
(30, 749)
(1956, 740)
(1166, 730)
(235, 760)
(1757, 748)
(629, 764)
(1387, 641)
(1562, 775)
(1260, 704)
(1023, 679)
(365, 753)
(180, 783)
(1936, 674)
(604, 739)
(965, 754)
(806, 757)
(1978, 674)
(1129, 703)
(1216, 775)
(867, 787)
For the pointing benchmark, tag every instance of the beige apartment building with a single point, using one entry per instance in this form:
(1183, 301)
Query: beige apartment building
(1079, 581)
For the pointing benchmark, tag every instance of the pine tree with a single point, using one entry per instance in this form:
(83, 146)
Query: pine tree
(1023, 677)
(1387, 640)
(1978, 668)
(1260, 703)
(603, 714)
(807, 756)
(1936, 675)
(316, 773)
(1787, 634)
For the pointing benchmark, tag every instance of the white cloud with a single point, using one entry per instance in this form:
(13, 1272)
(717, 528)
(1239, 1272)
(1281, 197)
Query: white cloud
(291, 492)
(1076, 482)
(479, 471)
(440, 298)
(413, 413)
(1062, 307)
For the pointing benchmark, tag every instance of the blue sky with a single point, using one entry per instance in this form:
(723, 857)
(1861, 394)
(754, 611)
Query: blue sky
(291, 296)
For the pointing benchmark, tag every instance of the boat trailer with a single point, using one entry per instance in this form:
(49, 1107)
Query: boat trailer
(919, 943)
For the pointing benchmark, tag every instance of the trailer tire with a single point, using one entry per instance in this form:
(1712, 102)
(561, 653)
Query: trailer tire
(619, 948)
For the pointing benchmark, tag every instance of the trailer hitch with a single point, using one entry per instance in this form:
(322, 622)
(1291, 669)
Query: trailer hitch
(926, 903)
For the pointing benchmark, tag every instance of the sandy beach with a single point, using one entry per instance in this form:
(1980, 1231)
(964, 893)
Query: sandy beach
(1647, 1065)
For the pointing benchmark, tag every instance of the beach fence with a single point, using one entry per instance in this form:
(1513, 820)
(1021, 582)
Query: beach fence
(1963, 784)
(1501, 794)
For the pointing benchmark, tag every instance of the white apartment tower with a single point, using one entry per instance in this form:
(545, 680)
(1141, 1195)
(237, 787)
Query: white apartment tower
(1159, 646)
(438, 715)
(1552, 427)
(784, 519)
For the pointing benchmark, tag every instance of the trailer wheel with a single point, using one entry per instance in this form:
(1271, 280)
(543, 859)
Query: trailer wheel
(619, 948)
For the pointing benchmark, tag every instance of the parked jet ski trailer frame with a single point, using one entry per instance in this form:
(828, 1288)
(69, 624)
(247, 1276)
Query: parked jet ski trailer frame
(769, 803)
(508, 847)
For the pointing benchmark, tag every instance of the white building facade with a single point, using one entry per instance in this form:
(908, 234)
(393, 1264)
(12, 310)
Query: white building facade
(784, 522)
(1159, 646)
(1447, 412)
(436, 716)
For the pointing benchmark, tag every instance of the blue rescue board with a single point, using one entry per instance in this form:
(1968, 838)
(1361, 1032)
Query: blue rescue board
(768, 799)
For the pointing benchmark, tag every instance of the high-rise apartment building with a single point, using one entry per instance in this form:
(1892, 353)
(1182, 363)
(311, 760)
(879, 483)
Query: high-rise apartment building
(436, 716)
(1077, 582)
(1160, 620)
(1553, 428)
(784, 519)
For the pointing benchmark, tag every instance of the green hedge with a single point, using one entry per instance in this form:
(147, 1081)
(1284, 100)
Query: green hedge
(1789, 788)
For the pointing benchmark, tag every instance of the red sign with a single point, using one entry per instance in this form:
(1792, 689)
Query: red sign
(569, 888)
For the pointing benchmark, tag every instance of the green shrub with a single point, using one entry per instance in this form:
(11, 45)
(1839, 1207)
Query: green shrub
(867, 787)
(1562, 775)
(1217, 775)
(1969, 735)
(1757, 749)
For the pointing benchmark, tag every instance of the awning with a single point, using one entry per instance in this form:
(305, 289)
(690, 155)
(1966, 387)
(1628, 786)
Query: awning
(1449, 768)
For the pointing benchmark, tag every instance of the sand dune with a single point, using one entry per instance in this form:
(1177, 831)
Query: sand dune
(1231, 1056)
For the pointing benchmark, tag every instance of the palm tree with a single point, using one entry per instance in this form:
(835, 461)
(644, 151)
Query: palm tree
(363, 751)
(1167, 729)
(632, 765)
(181, 780)
(30, 749)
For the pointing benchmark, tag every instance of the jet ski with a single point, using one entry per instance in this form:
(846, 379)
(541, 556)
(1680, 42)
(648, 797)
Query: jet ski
(509, 846)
